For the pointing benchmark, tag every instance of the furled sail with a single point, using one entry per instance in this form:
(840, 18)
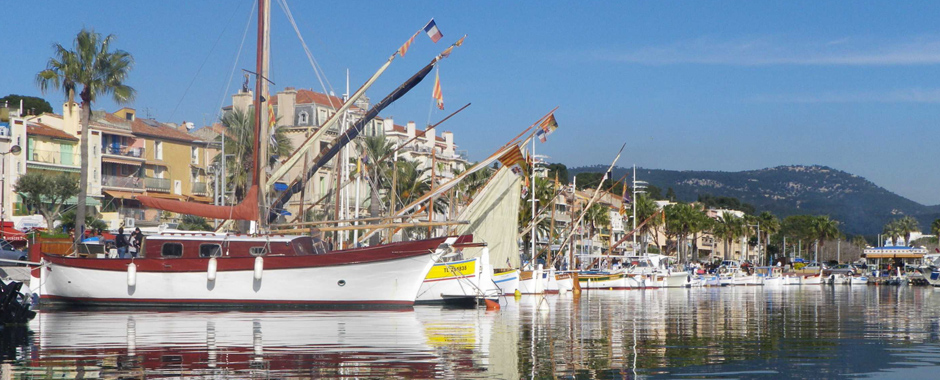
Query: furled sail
(342, 140)
(494, 216)
(246, 210)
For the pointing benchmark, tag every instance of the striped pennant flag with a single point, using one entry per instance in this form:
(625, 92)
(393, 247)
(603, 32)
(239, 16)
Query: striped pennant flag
(514, 160)
(436, 94)
(404, 48)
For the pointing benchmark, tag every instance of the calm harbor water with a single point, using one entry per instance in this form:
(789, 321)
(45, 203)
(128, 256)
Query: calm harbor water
(741, 332)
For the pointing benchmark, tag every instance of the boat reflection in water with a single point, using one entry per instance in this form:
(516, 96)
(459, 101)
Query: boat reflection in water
(234, 345)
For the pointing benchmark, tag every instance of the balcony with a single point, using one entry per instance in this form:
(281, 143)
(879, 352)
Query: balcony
(123, 151)
(53, 157)
(135, 183)
(201, 188)
(160, 185)
(141, 216)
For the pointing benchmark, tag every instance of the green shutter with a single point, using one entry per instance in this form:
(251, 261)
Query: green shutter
(67, 155)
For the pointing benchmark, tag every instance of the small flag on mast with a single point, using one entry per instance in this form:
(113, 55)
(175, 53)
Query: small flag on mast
(548, 126)
(436, 94)
(432, 31)
(514, 160)
(271, 117)
(404, 48)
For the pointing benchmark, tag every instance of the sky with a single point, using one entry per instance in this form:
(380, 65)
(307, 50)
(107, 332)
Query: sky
(691, 85)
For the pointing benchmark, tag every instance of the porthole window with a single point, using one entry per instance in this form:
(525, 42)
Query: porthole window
(210, 250)
(172, 250)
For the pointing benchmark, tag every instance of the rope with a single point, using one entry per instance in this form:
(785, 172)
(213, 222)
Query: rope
(235, 64)
(313, 62)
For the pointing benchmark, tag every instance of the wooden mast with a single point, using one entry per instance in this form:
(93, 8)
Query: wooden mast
(259, 85)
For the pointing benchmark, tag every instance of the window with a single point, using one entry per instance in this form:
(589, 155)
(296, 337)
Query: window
(302, 120)
(129, 116)
(257, 251)
(172, 250)
(195, 154)
(158, 150)
(210, 250)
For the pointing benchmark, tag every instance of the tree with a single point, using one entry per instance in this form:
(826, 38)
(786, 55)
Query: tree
(561, 170)
(31, 105)
(46, 194)
(769, 225)
(99, 71)
(823, 228)
(92, 222)
(935, 227)
(194, 223)
(859, 241)
(906, 225)
(597, 216)
(239, 142)
(729, 227)
(645, 209)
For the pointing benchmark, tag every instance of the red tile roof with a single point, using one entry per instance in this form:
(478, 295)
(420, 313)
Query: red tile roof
(45, 130)
(313, 97)
(153, 128)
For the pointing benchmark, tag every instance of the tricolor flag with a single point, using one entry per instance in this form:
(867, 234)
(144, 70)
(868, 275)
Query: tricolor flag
(548, 126)
(404, 48)
(436, 94)
(514, 160)
(432, 31)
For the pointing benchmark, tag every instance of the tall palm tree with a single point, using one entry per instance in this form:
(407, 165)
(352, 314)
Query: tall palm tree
(99, 71)
(729, 228)
(699, 223)
(379, 172)
(823, 228)
(645, 208)
(935, 227)
(907, 225)
(769, 225)
(597, 216)
(239, 143)
(893, 230)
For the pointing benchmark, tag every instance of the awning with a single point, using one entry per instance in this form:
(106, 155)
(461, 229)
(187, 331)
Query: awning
(196, 198)
(11, 234)
(121, 194)
(89, 201)
(118, 160)
(48, 166)
(893, 255)
(167, 196)
(156, 163)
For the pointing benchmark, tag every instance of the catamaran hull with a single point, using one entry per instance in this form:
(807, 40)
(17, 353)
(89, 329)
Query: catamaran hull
(390, 283)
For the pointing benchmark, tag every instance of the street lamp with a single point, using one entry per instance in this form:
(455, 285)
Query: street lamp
(15, 149)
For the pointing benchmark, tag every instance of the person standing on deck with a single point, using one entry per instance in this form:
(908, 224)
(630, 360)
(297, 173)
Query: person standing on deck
(121, 242)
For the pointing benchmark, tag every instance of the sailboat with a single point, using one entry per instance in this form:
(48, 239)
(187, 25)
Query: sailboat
(212, 270)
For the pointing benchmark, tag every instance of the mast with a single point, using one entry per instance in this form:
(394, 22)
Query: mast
(532, 191)
(259, 88)
(551, 228)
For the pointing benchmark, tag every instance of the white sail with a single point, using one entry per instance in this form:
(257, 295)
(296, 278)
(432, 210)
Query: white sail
(493, 215)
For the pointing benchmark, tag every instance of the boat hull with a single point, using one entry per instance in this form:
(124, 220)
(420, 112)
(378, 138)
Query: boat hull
(364, 278)
(507, 282)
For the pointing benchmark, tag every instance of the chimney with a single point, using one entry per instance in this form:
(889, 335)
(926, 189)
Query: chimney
(448, 142)
(242, 101)
(71, 114)
(430, 137)
(410, 129)
(286, 101)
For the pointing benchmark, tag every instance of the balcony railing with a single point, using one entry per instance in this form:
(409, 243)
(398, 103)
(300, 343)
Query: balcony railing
(53, 157)
(200, 188)
(123, 150)
(136, 183)
(160, 185)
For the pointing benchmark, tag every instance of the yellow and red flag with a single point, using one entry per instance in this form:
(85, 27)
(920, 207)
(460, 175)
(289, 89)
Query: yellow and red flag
(271, 117)
(436, 94)
(514, 160)
(404, 48)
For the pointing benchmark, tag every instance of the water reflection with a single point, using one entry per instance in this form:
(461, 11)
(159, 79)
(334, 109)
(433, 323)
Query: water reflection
(744, 332)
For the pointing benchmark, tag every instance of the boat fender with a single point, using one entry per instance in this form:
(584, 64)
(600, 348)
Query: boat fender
(213, 268)
(132, 275)
(491, 305)
(259, 267)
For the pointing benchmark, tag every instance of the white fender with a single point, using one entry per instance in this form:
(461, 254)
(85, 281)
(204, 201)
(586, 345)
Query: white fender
(537, 277)
(132, 274)
(213, 267)
(259, 267)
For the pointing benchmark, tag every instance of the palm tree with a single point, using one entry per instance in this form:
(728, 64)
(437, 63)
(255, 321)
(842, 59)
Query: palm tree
(100, 71)
(645, 208)
(380, 172)
(769, 225)
(729, 228)
(239, 143)
(700, 222)
(597, 216)
(907, 225)
(893, 230)
(823, 228)
(935, 227)
(859, 241)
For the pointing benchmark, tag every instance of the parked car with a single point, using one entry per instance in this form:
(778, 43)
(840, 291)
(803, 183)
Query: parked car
(814, 267)
(845, 269)
(8, 252)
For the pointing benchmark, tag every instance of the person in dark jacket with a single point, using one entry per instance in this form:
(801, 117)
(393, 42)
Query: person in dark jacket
(121, 242)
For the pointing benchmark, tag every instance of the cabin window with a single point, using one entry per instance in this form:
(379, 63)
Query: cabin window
(210, 250)
(257, 251)
(172, 250)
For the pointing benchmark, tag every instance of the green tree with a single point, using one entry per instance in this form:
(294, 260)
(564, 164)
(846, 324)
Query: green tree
(561, 170)
(598, 217)
(769, 225)
(729, 228)
(823, 228)
(92, 222)
(194, 223)
(935, 227)
(31, 105)
(239, 143)
(100, 71)
(645, 209)
(46, 194)
(859, 241)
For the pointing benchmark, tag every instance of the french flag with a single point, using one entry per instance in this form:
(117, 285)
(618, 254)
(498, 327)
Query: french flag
(433, 32)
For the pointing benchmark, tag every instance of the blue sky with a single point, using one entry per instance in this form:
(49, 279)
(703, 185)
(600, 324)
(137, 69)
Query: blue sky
(686, 85)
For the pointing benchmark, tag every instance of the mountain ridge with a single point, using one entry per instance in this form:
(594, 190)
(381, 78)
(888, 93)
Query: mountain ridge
(860, 205)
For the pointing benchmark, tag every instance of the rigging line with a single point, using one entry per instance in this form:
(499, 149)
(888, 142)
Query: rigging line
(313, 62)
(228, 84)
(203, 64)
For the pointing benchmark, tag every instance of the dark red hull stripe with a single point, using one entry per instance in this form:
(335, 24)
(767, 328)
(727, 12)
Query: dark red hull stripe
(363, 255)
(217, 303)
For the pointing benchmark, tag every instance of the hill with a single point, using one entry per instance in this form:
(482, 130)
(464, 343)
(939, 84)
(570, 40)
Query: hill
(861, 206)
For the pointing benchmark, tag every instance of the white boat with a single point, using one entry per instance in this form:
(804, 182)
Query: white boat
(507, 281)
(712, 280)
(774, 282)
(817, 279)
(462, 281)
(858, 280)
(218, 270)
(608, 281)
